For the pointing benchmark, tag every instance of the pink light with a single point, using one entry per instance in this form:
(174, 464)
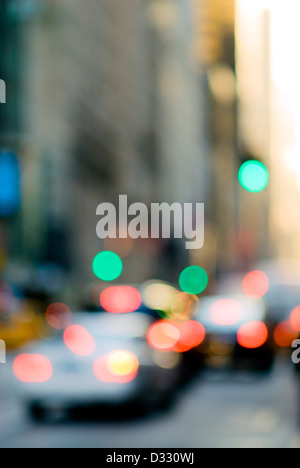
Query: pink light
(120, 299)
(32, 368)
(79, 340)
(256, 284)
(226, 312)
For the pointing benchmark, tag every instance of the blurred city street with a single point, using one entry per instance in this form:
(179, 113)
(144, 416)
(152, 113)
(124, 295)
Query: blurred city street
(149, 223)
(217, 410)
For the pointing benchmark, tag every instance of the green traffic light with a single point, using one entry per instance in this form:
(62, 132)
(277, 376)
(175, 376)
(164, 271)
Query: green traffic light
(107, 266)
(253, 176)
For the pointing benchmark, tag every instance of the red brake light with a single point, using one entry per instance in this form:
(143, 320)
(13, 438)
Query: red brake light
(32, 368)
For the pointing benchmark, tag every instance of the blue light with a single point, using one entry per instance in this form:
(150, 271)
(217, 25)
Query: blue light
(9, 184)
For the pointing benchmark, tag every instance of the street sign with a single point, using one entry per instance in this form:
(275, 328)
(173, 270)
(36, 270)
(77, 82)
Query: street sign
(9, 184)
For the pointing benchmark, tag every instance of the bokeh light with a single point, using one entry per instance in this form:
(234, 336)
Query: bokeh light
(193, 280)
(192, 334)
(226, 312)
(256, 284)
(163, 335)
(284, 335)
(119, 367)
(32, 368)
(178, 336)
(252, 335)
(120, 299)
(122, 363)
(295, 319)
(253, 176)
(158, 295)
(79, 340)
(102, 372)
(107, 266)
(59, 316)
(183, 306)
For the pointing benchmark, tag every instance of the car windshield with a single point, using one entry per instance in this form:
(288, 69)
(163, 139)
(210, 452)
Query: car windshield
(244, 308)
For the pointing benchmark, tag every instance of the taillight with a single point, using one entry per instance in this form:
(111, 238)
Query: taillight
(116, 367)
(252, 335)
(79, 340)
(32, 368)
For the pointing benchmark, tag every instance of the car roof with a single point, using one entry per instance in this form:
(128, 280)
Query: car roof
(133, 324)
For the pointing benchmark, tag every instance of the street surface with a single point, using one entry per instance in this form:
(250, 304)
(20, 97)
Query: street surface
(217, 410)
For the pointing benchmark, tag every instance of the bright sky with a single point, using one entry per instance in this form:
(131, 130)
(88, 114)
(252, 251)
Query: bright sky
(285, 70)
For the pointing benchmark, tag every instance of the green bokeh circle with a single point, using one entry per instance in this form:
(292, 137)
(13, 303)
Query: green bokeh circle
(253, 176)
(193, 280)
(107, 266)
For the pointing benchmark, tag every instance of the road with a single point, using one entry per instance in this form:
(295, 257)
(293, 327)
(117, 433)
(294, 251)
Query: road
(217, 410)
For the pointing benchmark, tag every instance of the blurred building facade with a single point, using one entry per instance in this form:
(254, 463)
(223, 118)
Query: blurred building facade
(214, 52)
(112, 103)
(11, 133)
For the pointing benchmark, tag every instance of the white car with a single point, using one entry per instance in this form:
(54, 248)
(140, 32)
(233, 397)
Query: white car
(101, 359)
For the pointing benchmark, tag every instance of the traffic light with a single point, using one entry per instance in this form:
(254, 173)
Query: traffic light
(9, 184)
(253, 176)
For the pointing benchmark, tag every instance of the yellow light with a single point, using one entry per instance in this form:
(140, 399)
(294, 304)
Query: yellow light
(158, 295)
(122, 363)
